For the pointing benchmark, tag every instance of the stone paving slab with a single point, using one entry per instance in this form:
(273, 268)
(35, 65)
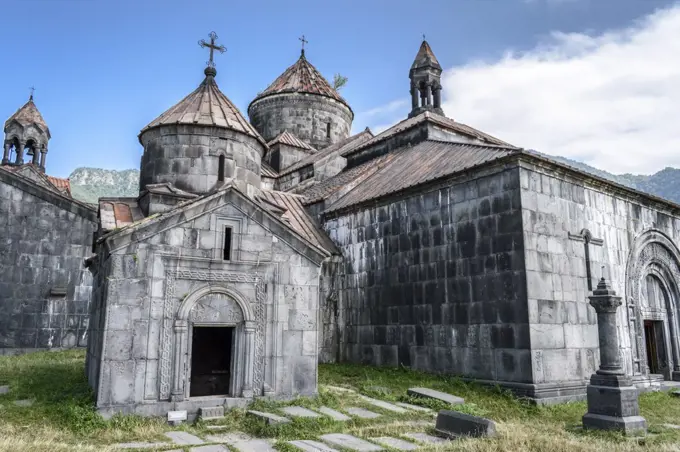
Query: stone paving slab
(671, 426)
(414, 407)
(437, 395)
(334, 414)
(269, 418)
(4, 389)
(362, 413)
(312, 446)
(299, 411)
(425, 438)
(228, 438)
(349, 442)
(184, 438)
(139, 445)
(395, 443)
(23, 403)
(212, 448)
(254, 445)
(384, 405)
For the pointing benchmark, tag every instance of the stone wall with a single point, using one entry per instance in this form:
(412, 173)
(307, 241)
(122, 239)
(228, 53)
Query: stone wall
(44, 287)
(188, 157)
(305, 115)
(435, 281)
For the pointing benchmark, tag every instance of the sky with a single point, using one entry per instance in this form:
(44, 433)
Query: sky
(593, 80)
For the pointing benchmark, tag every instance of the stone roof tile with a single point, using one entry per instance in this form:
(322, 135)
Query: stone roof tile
(288, 138)
(28, 114)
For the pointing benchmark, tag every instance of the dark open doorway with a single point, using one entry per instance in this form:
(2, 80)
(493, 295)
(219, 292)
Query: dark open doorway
(211, 361)
(656, 347)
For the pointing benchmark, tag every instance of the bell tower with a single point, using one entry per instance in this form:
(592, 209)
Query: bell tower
(26, 137)
(426, 85)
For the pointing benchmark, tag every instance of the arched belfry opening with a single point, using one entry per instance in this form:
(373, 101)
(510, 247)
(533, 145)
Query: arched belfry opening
(26, 137)
(653, 308)
(425, 75)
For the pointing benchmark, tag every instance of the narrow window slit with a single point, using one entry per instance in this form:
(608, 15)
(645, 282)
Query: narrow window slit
(227, 244)
(220, 169)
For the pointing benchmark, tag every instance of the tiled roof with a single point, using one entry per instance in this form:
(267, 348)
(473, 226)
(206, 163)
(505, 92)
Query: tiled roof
(30, 171)
(415, 165)
(299, 219)
(207, 106)
(28, 114)
(343, 147)
(268, 171)
(115, 213)
(302, 77)
(434, 118)
(425, 57)
(63, 185)
(288, 138)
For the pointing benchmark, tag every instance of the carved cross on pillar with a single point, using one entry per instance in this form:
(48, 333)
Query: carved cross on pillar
(587, 238)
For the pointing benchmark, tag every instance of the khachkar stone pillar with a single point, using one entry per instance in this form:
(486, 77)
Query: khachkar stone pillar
(612, 398)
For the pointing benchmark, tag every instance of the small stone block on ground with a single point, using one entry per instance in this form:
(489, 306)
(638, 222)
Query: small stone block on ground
(177, 417)
(437, 395)
(211, 413)
(425, 438)
(139, 445)
(228, 438)
(211, 448)
(312, 446)
(384, 405)
(349, 442)
(675, 393)
(395, 443)
(454, 423)
(299, 411)
(184, 438)
(414, 407)
(254, 445)
(677, 427)
(362, 413)
(4, 389)
(23, 403)
(269, 418)
(334, 414)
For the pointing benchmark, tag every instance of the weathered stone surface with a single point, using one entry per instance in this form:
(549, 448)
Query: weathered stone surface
(454, 423)
(140, 445)
(336, 415)
(211, 413)
(425, 438)
(209, 448)
(228, 438)
(437, 395)
(673, 426)
(362, 413)
(312, 446)
(299, 411)
(177, 417)
(269, 418)
(254, 445)
(338, 389)
(395, 443)
(349, 442)
(414, 407)
(4, 389)
(384, 405)
(184, 438)
(23, 403)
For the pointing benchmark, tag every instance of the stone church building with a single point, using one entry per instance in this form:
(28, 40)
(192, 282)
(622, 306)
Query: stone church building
(258, 248)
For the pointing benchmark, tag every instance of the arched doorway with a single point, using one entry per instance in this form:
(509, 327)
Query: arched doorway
(653, 278)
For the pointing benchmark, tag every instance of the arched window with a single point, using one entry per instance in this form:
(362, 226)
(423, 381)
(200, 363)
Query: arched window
(220, 170)
(328, 130)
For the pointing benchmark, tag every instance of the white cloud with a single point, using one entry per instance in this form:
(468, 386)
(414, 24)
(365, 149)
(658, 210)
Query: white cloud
(611, 100)
(381, 117)
(388, 108)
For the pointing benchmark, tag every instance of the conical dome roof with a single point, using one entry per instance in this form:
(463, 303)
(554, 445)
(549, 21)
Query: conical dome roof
(28, 115)
(425, 57)
(206, 106)
(302, 77)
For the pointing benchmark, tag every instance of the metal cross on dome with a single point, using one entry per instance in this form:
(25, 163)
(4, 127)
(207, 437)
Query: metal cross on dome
(32, 88)
(304, 41)
(211, 45)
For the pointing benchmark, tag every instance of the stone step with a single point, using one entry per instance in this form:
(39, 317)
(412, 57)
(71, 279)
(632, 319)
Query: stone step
(362, 413)
(184, 438)
(349, 442)
(414, 407)
(384, 405)
(395, 443)
(211, 413)
(299, 411)
(312, 446)
(269, 418)
(425, 438)
(437, 395)
(254, 445)
(334, 414)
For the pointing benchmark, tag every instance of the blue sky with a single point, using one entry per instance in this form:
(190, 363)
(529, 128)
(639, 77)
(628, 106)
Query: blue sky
(103, 69)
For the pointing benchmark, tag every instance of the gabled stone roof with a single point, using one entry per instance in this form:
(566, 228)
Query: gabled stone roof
(206, 106)
(425, 57)
(288, 138)
(302, 77)
(28, 115)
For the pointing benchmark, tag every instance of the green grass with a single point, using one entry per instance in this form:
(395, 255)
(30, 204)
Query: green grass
(63, 417)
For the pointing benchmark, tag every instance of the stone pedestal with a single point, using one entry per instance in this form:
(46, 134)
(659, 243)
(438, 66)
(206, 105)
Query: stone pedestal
(612, 398)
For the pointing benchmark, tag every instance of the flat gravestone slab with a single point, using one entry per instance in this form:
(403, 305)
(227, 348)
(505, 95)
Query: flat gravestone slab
(349, 442)
(228, 438)
(335, 415)
(4, 389)
(395, 443)
(425, 438)
(384, 405)
(184, 438)
(677, 427)
(216, 427)
(212, 448)
(23, 403)
(312, 446)
(414, 407)
(362, 413)
(437, 395)
(211, 413)
(299, 411)
(454, 424)
(139, 445)
(254, 445)
(269, 418)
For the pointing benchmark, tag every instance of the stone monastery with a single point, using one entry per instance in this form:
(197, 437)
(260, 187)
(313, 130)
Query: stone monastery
(260, 247)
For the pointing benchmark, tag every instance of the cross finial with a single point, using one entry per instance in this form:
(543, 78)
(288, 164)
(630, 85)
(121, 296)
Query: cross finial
(423, 36)
(304, 41)
(211, 45)
(32, 88)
